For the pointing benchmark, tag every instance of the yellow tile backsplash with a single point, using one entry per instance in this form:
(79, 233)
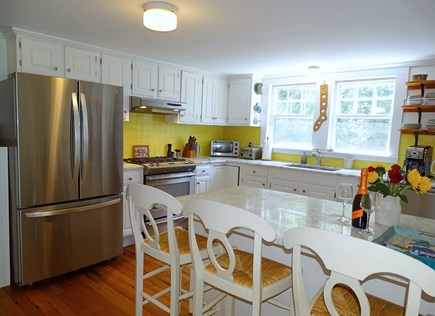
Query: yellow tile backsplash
(152, 130)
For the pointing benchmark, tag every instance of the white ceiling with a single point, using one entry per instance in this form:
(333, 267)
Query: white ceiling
(244, 36)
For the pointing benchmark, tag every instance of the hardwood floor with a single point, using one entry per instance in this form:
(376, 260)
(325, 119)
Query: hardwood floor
(107, 288)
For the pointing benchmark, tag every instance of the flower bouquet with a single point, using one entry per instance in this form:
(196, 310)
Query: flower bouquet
(396, 181)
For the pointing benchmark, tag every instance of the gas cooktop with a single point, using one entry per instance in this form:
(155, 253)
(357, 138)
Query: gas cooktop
(160, 165)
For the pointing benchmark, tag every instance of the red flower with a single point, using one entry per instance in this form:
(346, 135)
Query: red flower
(395, 167)
(371, 169)
(395, 175)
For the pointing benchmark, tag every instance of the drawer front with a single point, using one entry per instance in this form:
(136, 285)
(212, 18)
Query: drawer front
(254, 171)
(132, 177)
(202, 170)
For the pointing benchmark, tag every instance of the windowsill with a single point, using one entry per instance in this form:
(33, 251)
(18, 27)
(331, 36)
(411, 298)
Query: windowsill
(331, 154)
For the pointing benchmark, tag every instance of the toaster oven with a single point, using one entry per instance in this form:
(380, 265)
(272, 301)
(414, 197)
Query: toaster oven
(224, 148)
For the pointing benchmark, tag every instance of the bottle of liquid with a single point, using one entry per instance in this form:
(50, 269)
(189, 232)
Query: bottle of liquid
(169, 152)
(304, 158)
(359, 217)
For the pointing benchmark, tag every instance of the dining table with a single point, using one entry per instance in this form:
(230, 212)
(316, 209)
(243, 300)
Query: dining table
(285, 210)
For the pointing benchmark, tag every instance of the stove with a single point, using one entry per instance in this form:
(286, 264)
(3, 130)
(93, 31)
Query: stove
(163, 165)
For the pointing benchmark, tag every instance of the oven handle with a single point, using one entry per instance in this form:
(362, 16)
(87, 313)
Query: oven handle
(169, 176)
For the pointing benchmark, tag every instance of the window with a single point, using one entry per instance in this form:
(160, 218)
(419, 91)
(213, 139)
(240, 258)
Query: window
(364, 113)
(292, 115)
(362, 116)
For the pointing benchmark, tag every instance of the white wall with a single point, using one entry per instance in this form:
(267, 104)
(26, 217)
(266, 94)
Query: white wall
(4, 196)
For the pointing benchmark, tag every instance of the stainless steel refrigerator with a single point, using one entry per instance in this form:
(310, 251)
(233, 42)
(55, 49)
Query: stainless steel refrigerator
(65, 166)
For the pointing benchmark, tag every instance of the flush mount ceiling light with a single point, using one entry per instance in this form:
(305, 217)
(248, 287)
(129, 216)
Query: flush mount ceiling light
(313, 68)
(160, 16)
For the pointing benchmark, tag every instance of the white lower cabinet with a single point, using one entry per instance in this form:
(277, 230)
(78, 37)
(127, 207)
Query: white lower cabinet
(202, 178)
(131, 175)
(309, 183)
(255, 176)
(224, 176)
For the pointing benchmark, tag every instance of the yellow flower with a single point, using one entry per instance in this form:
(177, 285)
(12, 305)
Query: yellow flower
(414, 178)
(372, 177)
(424, 186)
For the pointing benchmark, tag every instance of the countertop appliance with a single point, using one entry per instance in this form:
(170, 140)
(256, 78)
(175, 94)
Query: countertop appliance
(224, 148)
(149, 105)
(252, 153)
(175, 176)
(419, 157)
(65, 170)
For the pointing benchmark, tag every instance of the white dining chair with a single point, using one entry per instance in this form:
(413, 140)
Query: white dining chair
(171, 247)
(350, 261)
(240, 274)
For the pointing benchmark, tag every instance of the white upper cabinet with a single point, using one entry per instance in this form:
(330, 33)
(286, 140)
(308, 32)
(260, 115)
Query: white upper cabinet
(243, 104)
(117, 71)
(150, 80)
(214, 101)
(145, 79)
(169, 83)
(82, 64)
(41, 57)
(191, 94)
(53, 59)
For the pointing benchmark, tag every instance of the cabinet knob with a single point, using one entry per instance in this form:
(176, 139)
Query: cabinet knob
(253, 171)
(55, 68)
(294, 190)
(130, 178)
(160, 90)
(152, 89)
(303, 191)
(69, 70)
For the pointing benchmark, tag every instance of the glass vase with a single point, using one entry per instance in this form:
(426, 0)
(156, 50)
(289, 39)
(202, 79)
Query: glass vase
(388, 213)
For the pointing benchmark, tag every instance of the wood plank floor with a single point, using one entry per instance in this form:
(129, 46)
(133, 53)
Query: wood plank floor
(107, 288)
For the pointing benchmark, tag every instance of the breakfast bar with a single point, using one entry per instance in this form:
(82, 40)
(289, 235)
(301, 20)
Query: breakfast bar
(285, 210)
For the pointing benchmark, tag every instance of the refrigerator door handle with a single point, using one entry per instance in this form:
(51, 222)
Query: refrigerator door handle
(75, 138)
(85, 136)
(73, 209)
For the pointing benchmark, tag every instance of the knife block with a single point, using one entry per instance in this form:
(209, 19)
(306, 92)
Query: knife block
(187, 152)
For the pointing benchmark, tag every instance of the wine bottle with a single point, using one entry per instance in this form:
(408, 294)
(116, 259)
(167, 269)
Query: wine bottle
(359, 217)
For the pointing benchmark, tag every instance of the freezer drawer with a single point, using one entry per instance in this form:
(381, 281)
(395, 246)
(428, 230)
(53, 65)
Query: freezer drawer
(56, 240)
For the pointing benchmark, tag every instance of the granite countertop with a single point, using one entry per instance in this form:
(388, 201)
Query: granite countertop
(286, 210)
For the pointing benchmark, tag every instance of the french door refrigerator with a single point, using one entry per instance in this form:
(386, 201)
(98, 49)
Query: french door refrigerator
(65, 164)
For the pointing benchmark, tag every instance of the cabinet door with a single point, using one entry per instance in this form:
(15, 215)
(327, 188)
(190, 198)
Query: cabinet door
(239, 101)
(202, 184)
(145, 79)
(317, 191)
(224, 177)
(284, 185)
(208, 100)
(130, 176)
(42, 57)
(169, 83)
(191, 93)
(82, 64)
(214, 101)
(253, 181)
(221, 104)
(117, 71)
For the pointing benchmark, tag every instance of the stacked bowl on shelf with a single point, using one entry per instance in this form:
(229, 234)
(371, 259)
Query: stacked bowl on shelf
(430, 124)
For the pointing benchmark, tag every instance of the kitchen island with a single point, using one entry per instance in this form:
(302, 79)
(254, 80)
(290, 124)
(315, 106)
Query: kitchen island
(285, 210)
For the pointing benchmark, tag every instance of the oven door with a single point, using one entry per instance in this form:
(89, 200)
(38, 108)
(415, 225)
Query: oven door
(176, 184)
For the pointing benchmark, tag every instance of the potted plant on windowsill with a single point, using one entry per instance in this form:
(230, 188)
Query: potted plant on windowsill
(391, 186)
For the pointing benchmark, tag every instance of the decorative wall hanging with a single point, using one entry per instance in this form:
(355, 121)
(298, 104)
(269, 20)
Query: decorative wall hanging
(323, 106)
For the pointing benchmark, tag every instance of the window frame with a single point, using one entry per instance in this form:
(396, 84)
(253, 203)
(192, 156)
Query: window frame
(320, 139)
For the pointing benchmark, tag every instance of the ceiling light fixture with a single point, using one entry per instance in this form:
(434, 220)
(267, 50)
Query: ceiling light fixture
(160, 16)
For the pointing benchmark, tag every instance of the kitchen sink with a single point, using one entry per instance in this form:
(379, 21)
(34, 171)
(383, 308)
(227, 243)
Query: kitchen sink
(312, 167)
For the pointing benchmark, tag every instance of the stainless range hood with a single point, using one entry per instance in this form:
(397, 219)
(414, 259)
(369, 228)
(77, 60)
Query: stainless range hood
(149, 105)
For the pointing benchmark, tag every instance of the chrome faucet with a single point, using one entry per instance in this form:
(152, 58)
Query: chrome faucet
(318, 155)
